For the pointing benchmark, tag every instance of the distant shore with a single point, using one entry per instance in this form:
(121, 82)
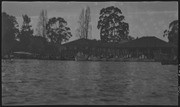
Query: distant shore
(107, 60)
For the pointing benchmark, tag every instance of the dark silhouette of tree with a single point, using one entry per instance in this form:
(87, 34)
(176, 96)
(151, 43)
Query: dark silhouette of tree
(37, 45)
(112, 26)
(172, 32)
(26, 27)
(57, 30)
(25, 33)
(9, 33)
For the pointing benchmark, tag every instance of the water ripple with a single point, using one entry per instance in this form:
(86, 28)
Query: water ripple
(68, 82)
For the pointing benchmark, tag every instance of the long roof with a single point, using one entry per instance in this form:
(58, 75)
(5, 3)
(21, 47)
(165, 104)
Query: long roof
(148, 42)
(143, 42)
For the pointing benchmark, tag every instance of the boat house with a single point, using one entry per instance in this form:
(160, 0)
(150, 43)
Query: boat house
(149, 47)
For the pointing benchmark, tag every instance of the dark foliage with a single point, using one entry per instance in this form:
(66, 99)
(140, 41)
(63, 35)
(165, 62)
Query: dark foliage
(25, 33)
(57, 31)
(112, 26)
(172, 32)
(37, 45)
(9, 33)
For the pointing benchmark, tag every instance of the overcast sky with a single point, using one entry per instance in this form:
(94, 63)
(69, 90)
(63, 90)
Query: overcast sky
(144, 18)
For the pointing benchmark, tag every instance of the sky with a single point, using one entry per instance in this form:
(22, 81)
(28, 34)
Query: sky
(144, 18)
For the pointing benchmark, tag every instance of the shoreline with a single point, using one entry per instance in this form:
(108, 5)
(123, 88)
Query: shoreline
(123, 60)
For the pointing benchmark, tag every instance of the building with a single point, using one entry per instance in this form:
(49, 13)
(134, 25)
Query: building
(149, 47)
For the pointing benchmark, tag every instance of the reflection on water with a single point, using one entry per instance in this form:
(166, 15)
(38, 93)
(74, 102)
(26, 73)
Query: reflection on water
(70, 82)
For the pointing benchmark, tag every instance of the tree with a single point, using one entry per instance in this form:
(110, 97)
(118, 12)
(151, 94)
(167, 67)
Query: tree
(112, 26)
(26, 27)
(57, 31)
(80, 30)
(172, 32)
(26, 32)
(9, 33)
(84, 29)
(37, 45)
(41, 27)
(87, 21)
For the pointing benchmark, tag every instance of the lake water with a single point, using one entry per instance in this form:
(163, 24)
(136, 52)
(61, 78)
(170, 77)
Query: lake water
(48, 82)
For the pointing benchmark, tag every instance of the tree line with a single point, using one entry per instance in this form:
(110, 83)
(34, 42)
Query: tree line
(52, 32)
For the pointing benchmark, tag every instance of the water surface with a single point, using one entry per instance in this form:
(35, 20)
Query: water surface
(51, 82)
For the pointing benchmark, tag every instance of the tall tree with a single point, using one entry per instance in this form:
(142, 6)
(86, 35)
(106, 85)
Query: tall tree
(172, 32)
(84, 24)
(57, 30)
(41, 27)
(26, 32)
(112, 26)
(87, 21)
(80, 30)
(9, 32)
